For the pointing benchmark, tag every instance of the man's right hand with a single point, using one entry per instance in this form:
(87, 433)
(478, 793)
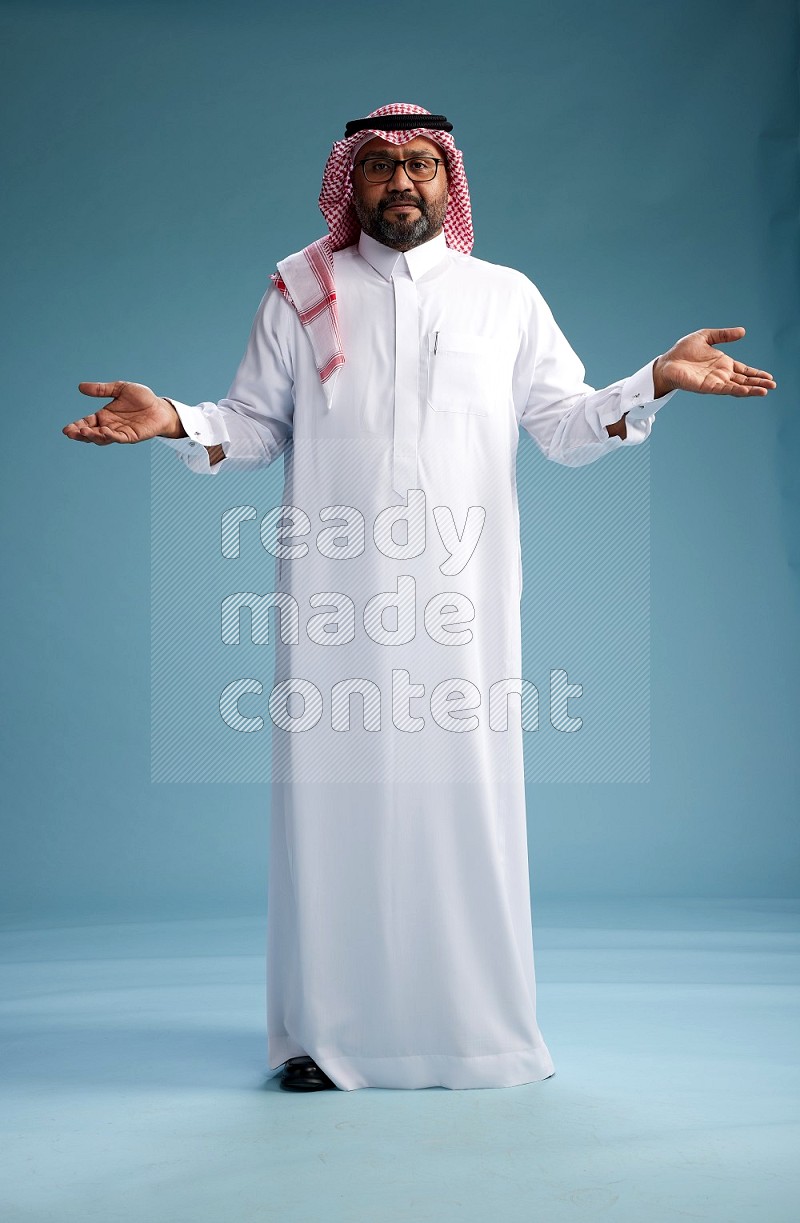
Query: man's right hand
(135, 414)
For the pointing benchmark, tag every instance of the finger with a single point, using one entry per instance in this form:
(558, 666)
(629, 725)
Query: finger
(87, 433)
(742, 392)
(105, 390)
(89, 422)
(113, 435)
(85, 437)
(750, 372)
(744, 380)
(89, 429)
(723, 335)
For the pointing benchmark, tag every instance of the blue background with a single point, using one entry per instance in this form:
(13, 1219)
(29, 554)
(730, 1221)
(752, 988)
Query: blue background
(640, 165)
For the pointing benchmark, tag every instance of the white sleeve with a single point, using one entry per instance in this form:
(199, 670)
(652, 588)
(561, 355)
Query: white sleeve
(253, 423)
(563, 414)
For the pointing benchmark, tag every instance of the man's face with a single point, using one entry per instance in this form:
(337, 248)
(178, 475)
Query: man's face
(400, 213)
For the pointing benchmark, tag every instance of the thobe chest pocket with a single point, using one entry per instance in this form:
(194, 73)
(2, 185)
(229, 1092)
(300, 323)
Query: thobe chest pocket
(461, 369)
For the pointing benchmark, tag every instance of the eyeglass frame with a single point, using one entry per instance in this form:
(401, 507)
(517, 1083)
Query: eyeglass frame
(401, 161)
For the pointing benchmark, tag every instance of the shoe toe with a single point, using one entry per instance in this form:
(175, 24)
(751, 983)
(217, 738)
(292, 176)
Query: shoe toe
(303, 1074)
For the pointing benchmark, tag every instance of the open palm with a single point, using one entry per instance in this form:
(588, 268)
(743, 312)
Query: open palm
(135, 414)
(694, 364)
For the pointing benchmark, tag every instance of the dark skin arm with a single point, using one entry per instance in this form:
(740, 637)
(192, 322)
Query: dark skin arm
(694, 364)
(135, 414)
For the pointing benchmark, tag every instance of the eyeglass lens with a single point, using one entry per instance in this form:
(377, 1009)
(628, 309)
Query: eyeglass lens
(381, 169)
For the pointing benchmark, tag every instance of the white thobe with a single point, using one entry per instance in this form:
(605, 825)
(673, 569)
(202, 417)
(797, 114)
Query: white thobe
(400, 948)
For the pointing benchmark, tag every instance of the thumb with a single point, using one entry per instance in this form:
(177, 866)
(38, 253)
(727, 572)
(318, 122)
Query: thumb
(723, 335)
(104, 390)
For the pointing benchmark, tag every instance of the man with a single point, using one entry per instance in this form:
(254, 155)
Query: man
(394, 372)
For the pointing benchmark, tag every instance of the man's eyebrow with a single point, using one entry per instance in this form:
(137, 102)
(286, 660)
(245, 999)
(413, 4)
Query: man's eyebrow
(413, 153)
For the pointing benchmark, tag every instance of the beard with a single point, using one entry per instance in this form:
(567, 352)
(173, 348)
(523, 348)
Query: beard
(401, 232)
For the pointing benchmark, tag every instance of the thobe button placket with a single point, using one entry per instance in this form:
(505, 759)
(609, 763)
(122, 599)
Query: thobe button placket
(406, 380)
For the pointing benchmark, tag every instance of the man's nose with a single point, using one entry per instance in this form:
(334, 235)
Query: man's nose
(399, 180)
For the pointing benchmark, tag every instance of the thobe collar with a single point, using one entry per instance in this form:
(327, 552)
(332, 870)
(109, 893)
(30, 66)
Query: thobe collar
(417, 261)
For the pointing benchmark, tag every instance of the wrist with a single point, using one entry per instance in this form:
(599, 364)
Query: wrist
(661, 383)
(173, 429)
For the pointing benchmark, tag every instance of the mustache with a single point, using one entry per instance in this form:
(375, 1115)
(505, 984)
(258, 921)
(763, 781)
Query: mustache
(402, 198)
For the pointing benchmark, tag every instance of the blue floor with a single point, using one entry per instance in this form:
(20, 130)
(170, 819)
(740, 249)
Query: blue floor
(135, 1083)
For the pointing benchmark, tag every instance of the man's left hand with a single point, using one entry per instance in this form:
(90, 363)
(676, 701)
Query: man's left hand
(693, 364)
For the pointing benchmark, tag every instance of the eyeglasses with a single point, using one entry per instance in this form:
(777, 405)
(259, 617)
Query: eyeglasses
(418, 169)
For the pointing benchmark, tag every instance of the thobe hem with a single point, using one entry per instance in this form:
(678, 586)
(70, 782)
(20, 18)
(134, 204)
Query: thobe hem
(423, 1070)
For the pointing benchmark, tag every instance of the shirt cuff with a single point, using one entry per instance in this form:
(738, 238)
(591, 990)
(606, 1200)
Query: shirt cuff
(202, 429)
(638, 395)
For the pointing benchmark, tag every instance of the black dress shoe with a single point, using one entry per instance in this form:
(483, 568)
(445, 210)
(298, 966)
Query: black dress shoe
(303, 1074)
